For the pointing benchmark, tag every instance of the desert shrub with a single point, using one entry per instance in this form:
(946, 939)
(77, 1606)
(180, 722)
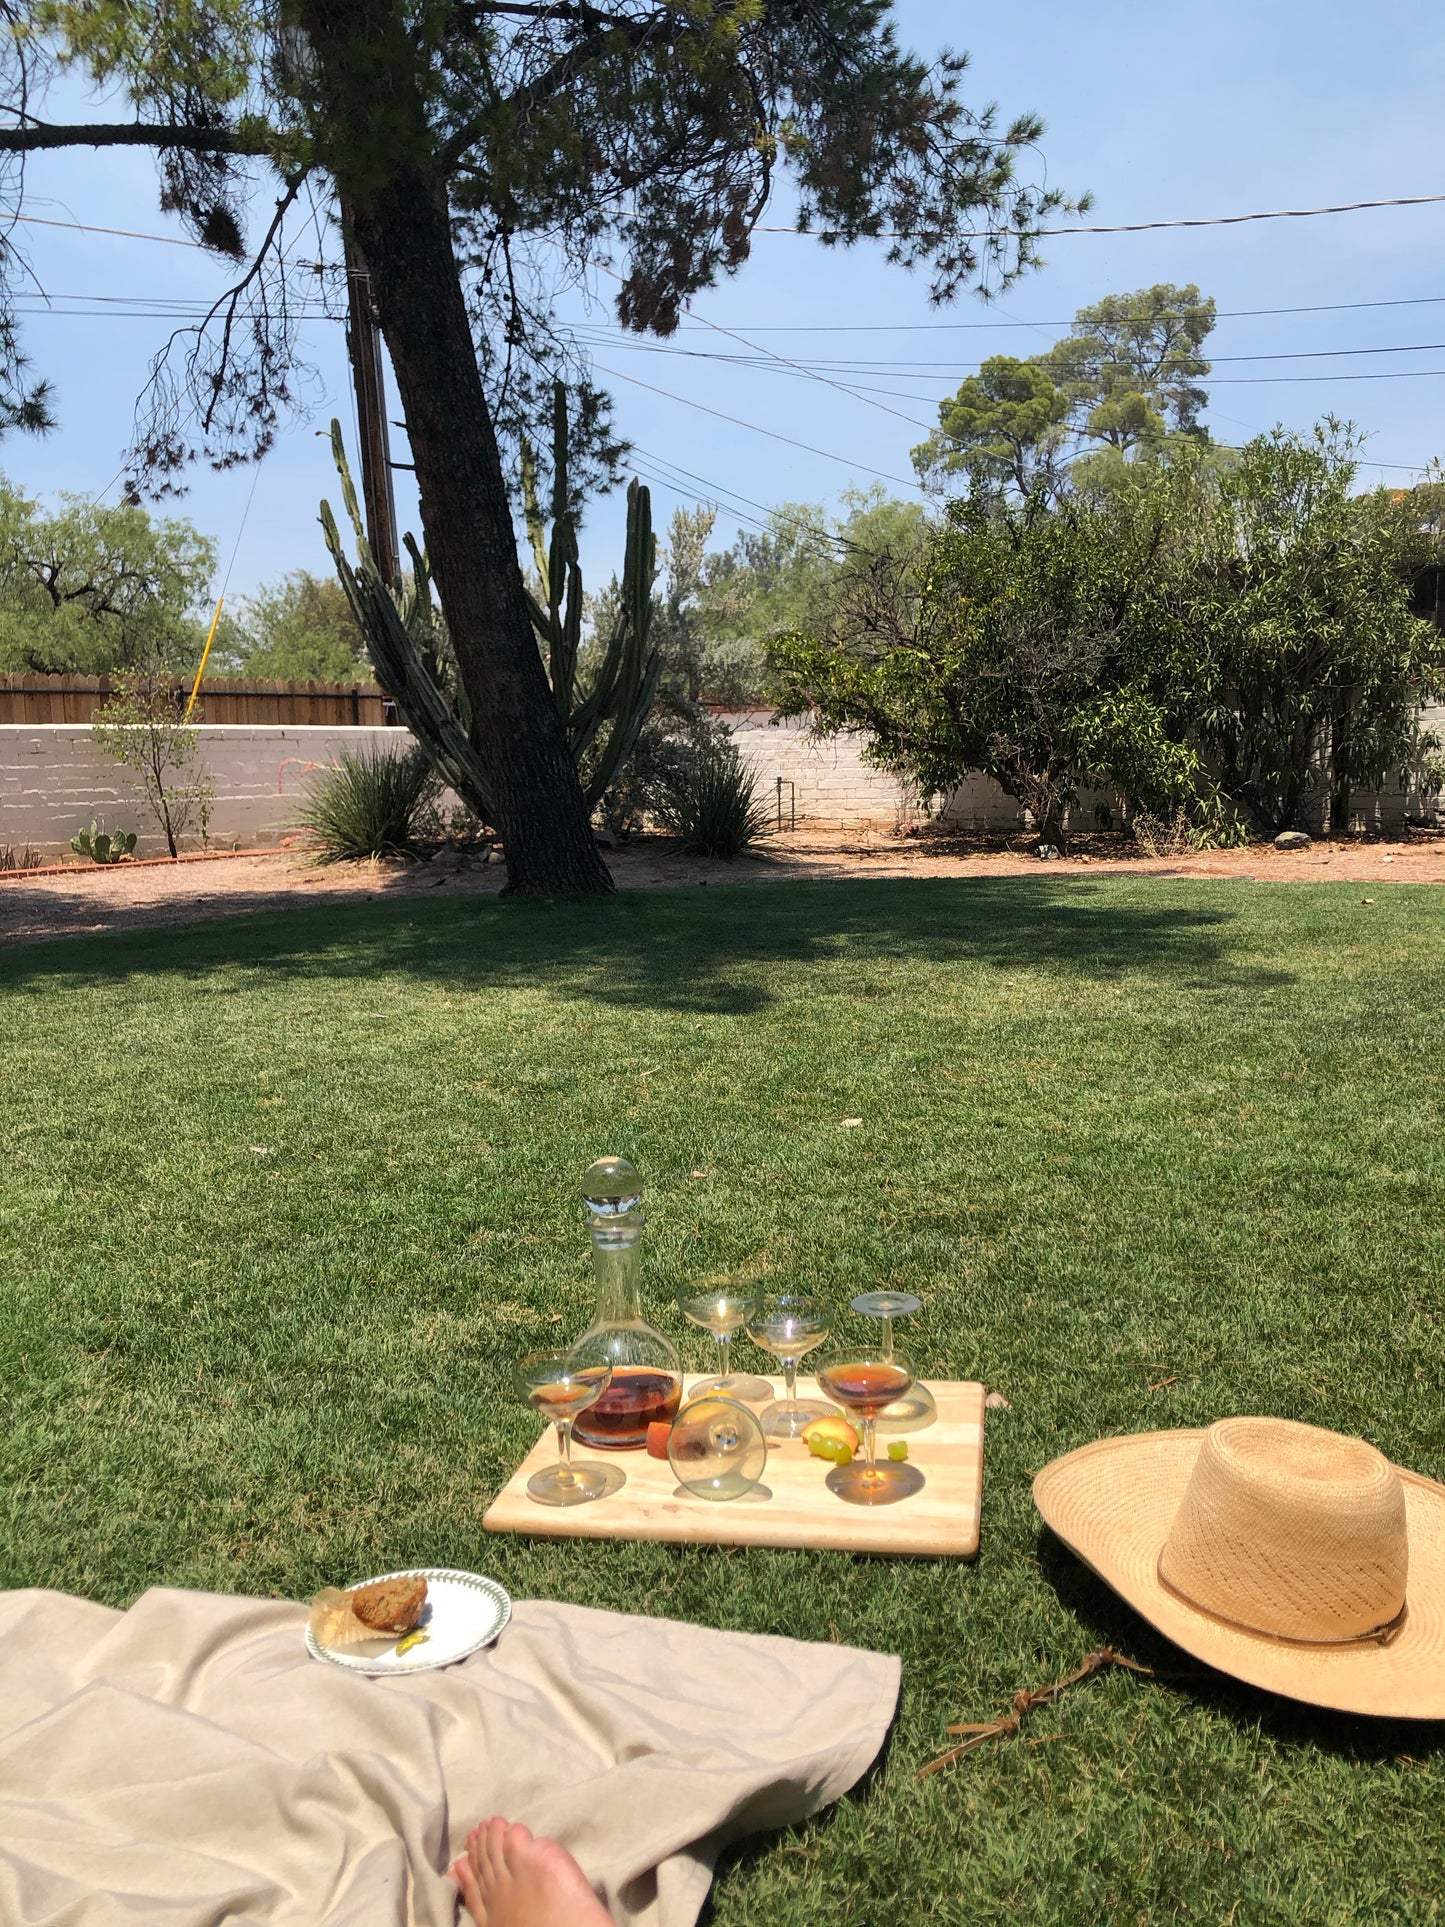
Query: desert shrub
(1210, 825)
(139, 726)
(1164, 835)
(712, 804)
(675, 737)
(371, 802)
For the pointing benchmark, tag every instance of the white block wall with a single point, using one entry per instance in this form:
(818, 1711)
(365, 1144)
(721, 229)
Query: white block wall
(53, 781)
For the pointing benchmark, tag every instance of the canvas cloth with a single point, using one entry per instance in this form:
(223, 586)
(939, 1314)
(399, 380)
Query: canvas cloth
(187, 1763)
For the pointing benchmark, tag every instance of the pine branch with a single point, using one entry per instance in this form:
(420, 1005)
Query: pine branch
(200, 140)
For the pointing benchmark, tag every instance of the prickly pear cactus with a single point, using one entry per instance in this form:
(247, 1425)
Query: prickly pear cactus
(103, 846)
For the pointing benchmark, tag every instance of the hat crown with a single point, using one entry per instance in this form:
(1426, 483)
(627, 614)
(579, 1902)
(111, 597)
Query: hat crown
(1291, 1531)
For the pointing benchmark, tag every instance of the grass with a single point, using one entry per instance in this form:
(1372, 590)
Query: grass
(283, 1197)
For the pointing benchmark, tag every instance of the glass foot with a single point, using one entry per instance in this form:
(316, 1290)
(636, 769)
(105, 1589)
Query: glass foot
(785, 1419)
(584, 1483)
(910, 1413)
(883, 1485)
(746, 1387)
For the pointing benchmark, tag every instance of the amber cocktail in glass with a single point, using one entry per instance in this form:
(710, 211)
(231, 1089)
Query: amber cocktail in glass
(863, 1381)
(554, 1386)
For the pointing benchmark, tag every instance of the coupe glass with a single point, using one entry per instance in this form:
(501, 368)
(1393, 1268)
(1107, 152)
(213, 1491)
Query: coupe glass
(789, 1324)
(723, 1309)
(916, 1408)
(866, 1381)
(559, 1389)
(716, 1448)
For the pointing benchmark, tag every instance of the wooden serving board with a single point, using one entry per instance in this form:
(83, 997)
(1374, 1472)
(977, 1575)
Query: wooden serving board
(941, 1521)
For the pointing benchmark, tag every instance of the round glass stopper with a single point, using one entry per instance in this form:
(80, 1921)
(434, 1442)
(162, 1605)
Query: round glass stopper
(611, 1187)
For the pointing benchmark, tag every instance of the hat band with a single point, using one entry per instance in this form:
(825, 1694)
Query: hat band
(1382, 1635)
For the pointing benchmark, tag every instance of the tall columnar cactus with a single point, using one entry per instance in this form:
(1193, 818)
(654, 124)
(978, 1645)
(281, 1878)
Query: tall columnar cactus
(406, 638)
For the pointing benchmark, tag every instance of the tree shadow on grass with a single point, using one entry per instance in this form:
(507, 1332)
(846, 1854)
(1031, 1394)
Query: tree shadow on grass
(1108, 1621)
(690, 951)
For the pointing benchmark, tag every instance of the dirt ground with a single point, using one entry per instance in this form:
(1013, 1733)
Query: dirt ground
(88, 900)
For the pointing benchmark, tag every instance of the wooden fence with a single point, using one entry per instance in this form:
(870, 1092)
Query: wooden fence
(28, 698)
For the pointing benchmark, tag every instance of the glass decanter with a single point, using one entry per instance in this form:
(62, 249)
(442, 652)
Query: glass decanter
(646, 1382)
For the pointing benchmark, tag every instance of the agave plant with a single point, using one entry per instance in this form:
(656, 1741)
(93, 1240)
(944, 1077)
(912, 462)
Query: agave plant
(405, 633)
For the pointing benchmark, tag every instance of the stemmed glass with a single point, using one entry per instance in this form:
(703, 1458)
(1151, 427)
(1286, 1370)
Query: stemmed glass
(866, 1381)
(555, 1386)
(716, 1448)
(789, 1324)
(723, 1309)
(917, 1407)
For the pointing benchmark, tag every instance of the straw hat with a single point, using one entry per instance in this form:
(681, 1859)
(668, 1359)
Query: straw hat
(1296, 1559)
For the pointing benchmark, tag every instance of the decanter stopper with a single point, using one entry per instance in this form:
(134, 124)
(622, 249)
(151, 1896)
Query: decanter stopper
(612, 1189)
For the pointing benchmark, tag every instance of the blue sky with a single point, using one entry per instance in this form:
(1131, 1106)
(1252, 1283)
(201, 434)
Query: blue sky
(1162, 111)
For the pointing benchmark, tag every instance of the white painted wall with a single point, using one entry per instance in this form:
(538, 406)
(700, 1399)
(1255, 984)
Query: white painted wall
(53, 781)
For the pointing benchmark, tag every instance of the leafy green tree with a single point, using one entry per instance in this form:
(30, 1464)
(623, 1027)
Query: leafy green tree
(1009, 422)
(789, 576)
(482, 156)
(1132, 366)
(300, 629)
(1125, 378)
(89, 589)
(1034, 649)
(1313, 664)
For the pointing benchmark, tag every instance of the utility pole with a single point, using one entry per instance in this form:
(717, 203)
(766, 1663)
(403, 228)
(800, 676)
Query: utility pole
(363, 341)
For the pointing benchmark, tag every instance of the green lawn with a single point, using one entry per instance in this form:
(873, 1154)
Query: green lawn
(1151, 1152)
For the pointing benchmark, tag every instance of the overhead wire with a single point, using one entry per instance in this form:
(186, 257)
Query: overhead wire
(772, 433)
(892, 234)
(1136, 227)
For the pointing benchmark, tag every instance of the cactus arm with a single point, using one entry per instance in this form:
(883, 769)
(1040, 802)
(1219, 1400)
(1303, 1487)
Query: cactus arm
(394, 657)
(532, 509)
(625, 732)
(348, 490)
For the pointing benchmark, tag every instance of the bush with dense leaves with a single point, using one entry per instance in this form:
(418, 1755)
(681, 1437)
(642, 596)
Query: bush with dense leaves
(371, 802)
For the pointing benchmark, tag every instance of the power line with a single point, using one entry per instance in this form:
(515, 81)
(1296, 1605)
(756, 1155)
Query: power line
(125, 234)
(1398, 374)
(1134, 227)
(896, 234)
(930, 327)
(771, 515)
(772, 434)
(900, 366)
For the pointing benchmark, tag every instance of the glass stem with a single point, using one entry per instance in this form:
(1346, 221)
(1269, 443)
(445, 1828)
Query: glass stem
(870, 1447)
(724, 1346)
(565, 1475)
(887, 1334)
(790, 1381)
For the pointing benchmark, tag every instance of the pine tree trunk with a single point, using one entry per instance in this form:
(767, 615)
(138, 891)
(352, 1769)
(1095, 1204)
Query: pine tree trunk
(402, 226)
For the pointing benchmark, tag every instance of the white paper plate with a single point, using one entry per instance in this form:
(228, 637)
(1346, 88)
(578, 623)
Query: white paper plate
(463, 1611)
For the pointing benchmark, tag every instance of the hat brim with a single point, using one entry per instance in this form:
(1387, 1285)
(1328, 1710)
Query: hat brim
(1113, 1503)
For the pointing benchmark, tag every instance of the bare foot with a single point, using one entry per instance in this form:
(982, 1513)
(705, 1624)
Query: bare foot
(509, 1879)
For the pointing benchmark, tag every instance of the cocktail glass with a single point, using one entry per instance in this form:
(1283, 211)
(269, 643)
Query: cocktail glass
(555, 1386)
(789, 1325)
(716, 1448)
(865, 1382)
(916, 1408)
(723, 1310)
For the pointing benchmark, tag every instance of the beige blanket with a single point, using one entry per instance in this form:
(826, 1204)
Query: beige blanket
(186, 1763)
